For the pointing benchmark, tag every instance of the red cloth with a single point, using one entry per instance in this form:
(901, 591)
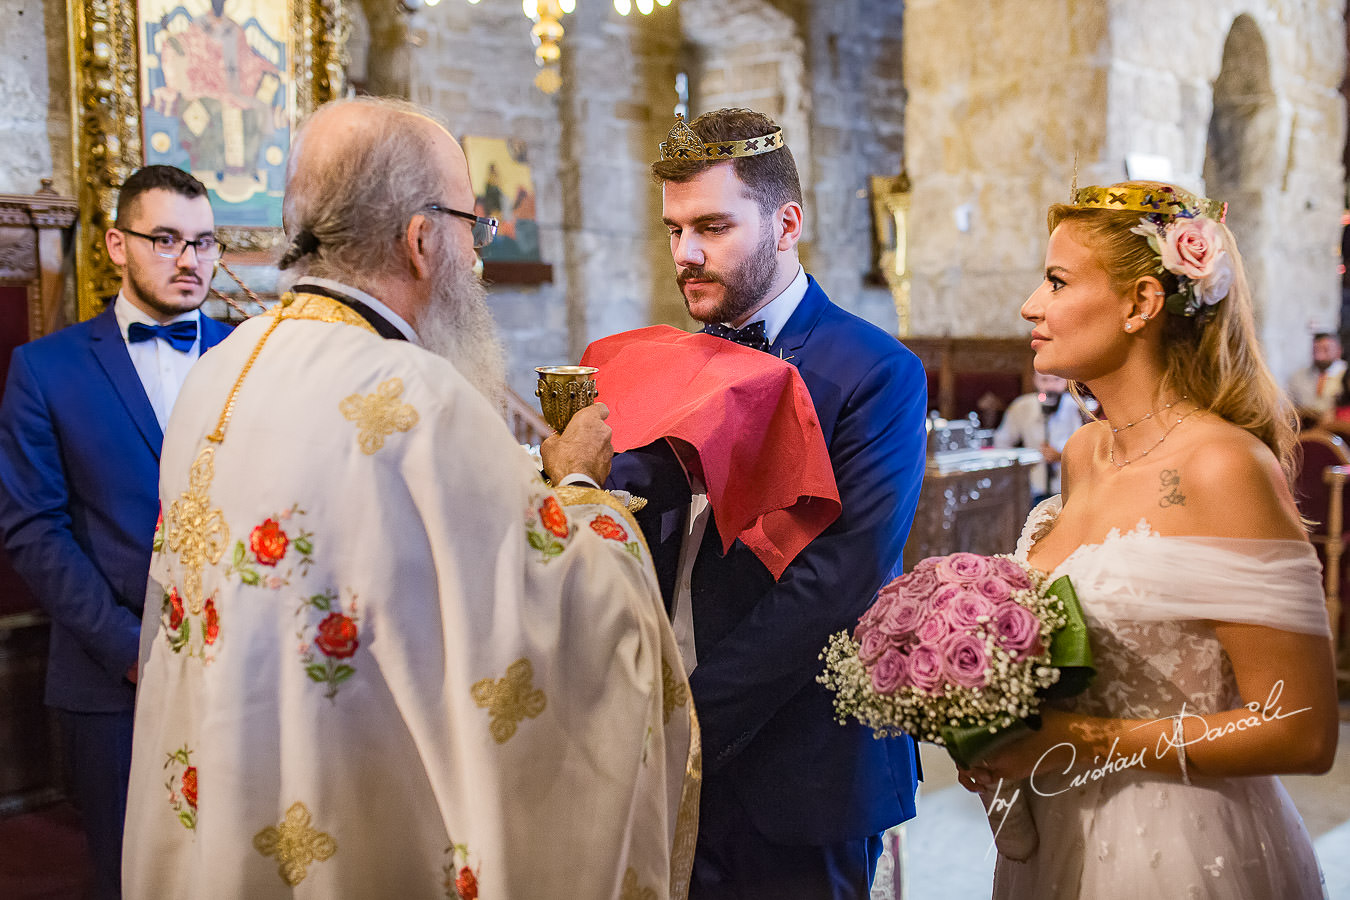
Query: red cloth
(747, 418)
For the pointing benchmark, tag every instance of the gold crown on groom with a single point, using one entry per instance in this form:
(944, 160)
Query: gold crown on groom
(684, 143)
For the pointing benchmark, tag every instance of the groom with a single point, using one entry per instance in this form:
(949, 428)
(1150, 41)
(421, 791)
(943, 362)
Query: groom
(793, 803)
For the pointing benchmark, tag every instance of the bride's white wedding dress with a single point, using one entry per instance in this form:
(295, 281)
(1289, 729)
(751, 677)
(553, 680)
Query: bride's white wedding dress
(1148, 601)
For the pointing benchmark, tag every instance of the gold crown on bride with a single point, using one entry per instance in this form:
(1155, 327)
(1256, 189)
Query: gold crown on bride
(684, 143)
(1159, 200)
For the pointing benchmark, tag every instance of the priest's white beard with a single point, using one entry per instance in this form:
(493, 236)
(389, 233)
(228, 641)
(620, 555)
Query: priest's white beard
(458, 326)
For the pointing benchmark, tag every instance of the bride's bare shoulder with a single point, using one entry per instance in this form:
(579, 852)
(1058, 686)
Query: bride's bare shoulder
(1084, 447)
(1231, 485)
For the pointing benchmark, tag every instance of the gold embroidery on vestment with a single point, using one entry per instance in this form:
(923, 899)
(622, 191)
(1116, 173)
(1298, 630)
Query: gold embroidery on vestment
(294, 844)
(631, 890)
(380, 414)
(673, 693)
(313, 307)
(686, 820)
(509, 699)
(194, 530)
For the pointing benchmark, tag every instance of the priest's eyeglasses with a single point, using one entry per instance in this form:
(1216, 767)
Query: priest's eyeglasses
(171, 246)
(484, 227)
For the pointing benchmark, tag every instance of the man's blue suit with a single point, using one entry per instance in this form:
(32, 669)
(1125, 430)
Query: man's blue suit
(770, 740)
(79, 495)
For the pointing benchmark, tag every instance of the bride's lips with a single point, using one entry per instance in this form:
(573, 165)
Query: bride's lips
(1037, 339)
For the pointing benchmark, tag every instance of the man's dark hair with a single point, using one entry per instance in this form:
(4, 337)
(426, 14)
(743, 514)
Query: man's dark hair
(149, 178)
(770, 178)
(1325, 336)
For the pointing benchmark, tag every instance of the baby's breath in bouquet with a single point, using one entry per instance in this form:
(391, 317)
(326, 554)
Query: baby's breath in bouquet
(961, 652)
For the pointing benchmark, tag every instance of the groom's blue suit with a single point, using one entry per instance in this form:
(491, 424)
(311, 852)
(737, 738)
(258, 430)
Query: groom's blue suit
(771, 745)
(79, 494)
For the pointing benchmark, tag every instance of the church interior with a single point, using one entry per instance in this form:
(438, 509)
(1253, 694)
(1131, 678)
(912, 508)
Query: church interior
(931, 136)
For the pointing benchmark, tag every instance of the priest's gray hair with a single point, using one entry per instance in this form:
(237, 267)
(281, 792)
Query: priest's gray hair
(348, 203)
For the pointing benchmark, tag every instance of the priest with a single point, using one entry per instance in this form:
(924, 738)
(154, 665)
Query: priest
(383, 656)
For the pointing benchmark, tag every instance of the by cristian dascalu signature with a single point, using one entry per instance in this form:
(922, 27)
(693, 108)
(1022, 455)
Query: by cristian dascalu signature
(1112, 764)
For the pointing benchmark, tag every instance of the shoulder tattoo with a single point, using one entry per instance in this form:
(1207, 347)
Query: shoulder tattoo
(1170, 488)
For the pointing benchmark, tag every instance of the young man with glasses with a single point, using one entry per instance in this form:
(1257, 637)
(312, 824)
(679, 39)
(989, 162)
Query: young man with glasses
(80, 430)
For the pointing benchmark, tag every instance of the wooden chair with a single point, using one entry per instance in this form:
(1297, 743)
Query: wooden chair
(1320, 494)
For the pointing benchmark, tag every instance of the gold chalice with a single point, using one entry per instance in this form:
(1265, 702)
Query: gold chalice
(563, 391)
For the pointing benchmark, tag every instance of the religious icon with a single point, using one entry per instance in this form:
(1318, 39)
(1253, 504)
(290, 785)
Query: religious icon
(216, 100)
(503, 186)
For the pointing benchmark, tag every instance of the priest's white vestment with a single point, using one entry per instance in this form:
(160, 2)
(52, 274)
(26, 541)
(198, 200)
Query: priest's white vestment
(383, 657)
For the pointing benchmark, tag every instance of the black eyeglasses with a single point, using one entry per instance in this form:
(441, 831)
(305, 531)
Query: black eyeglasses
(171, 246)
(484, 227)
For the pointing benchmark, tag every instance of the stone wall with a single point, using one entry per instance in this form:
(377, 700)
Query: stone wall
(1000, 101)
(25, 97)
(985, 106)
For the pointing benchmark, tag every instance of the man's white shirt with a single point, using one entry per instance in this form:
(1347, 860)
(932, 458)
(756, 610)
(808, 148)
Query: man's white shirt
(161, 368)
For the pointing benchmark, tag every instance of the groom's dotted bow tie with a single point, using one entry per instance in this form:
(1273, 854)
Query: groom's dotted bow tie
(178, 335)
(751, 336)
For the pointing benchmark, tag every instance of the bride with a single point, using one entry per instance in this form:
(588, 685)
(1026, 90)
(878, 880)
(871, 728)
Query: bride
(1203, 597)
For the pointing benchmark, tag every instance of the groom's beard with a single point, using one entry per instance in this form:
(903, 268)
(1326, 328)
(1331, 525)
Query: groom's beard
(458, 326)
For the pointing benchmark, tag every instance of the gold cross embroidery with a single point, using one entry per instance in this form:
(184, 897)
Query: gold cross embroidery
(379, 414)
(509, 699)
(673, 693)
(194, 530)
(295, 844)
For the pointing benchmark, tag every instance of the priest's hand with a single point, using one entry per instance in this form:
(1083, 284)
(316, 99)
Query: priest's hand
(583, 448)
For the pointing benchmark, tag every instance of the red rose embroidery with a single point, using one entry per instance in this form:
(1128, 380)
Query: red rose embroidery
(212, 622)
(466, 884)
(337, 636)
(175, 609)
(608, 528)
(268, 542)
(190, 786)
(553, 517)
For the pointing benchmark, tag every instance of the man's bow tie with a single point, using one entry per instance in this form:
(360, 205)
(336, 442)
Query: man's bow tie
(751, 336)
(178, 335)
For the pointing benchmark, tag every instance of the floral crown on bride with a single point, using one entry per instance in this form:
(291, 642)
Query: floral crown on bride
(1183, 230)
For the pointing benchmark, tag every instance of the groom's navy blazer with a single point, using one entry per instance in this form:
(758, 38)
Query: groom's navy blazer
(769, 732)
(79, 494)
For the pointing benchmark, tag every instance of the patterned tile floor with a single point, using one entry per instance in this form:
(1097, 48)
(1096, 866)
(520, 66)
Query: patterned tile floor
(945, 847)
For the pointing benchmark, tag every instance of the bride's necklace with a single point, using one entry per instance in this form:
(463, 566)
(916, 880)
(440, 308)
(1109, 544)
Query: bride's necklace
(1111, 452)
(1165, 408)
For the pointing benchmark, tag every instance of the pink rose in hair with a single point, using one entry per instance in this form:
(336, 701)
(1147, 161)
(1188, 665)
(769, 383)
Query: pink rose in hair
(1190, 247)
(962, 567)
(872, 645)
(966, 661)
(925, 668)
(890, 672)
(1018, 631)
(1194, 248)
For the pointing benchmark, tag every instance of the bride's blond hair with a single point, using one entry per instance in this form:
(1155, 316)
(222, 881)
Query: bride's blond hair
(1215, 361)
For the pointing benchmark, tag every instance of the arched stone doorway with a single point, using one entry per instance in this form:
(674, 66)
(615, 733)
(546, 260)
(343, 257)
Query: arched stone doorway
(1241, 157)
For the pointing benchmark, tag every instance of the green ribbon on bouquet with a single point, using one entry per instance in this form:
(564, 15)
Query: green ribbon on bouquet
(1070, 652)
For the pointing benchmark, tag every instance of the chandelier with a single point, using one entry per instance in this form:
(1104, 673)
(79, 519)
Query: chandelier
(548, 31)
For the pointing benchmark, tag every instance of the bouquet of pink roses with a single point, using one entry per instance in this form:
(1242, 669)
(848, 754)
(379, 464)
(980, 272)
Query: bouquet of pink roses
(961, 652)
